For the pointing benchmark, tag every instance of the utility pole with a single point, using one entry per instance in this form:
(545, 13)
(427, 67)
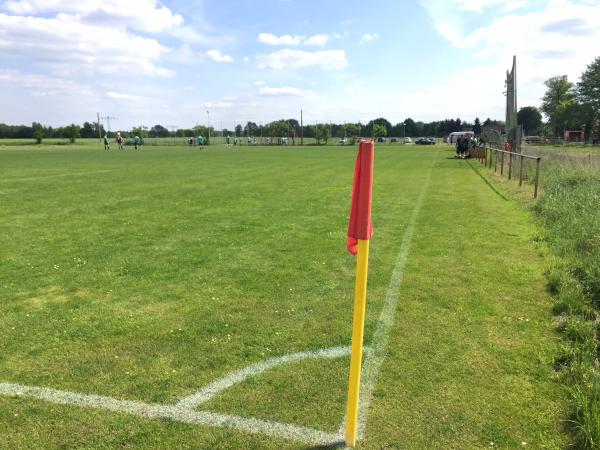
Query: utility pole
(108, 119)
(173, 128)
(301, 129)
(99, 131)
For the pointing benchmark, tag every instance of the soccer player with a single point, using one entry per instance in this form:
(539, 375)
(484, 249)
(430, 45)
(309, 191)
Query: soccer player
(227, 141)
(136, 141)
(200, 141)
(106, 144)
(120, 140)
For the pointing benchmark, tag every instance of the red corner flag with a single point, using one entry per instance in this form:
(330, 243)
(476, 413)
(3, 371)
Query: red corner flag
(360, 226)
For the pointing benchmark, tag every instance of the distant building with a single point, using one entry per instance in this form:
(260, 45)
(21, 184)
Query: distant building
(574, 135)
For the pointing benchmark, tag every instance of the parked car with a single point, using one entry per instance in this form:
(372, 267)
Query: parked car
(394, 140)
(343, 141)
(380, 139)
(425, 141)
(407, 140)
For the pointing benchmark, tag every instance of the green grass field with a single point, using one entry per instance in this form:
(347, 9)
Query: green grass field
(147, 276)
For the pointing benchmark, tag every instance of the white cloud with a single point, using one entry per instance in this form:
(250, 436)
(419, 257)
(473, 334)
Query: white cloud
(368, 38)
(295, 59)
(286, 39)
(215, 105)
(318, 40)
(449, 16)
(120, 96)
(68, 46)
(42, 85)
(343, 35)
(259, 83)
(552, 40)
(189, 35)
(246, 59)
(216, 55)
(145, 15)
(284, 91)
(347, 22)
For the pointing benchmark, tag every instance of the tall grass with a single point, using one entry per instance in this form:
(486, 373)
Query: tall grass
(569, 209)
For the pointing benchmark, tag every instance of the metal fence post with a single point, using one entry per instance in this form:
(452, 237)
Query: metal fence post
(502, 163)
(521, 172)
(510, 158)
(537, 176)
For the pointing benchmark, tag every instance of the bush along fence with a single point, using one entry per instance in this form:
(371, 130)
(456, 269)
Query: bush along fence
(512, 163)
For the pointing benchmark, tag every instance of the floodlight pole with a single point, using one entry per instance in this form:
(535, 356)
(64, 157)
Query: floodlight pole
(99, 130)
(208, 124)
(108, 118)
(301, 129)
(173, 128)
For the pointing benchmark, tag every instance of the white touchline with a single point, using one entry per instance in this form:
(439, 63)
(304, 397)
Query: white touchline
(379, 342)
(184, 411)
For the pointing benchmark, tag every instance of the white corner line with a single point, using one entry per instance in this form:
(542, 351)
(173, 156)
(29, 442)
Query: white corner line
(238, 376)
(155, 411)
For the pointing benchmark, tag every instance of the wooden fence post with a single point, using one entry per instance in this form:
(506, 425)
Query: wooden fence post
(537, 176)
(521, 172)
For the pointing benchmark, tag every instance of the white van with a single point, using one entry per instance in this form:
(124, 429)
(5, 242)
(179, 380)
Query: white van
(452, 137)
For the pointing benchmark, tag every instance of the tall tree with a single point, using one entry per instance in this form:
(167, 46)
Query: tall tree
(158, 131)
(530, 119)
(72, 132)
(477, 126)
(588, 93)
(411, 128)
(352, 129)
(322, 132)
(87, 130)
(559, 93)
(379, 130)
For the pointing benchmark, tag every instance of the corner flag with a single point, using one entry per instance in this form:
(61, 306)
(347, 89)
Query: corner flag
(360, 231)
(360, 226)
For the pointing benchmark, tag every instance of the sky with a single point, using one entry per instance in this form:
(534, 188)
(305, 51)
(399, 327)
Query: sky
(186, 62)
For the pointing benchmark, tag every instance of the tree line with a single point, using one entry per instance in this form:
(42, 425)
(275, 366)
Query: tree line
(289, 128)
(566, 105)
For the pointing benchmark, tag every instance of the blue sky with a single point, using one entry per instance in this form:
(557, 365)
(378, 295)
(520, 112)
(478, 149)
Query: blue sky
(147, 62)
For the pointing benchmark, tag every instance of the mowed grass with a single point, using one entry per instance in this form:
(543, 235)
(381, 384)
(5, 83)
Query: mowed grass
(146, 276)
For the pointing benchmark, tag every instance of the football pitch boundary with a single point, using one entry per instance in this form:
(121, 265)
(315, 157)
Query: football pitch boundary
(183, 410)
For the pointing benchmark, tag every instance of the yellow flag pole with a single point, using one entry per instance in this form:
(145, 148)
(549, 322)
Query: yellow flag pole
(358, 328)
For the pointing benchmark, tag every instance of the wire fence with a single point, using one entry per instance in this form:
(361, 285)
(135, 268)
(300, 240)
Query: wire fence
(527, 167)
(520, 167)
(567, 159)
